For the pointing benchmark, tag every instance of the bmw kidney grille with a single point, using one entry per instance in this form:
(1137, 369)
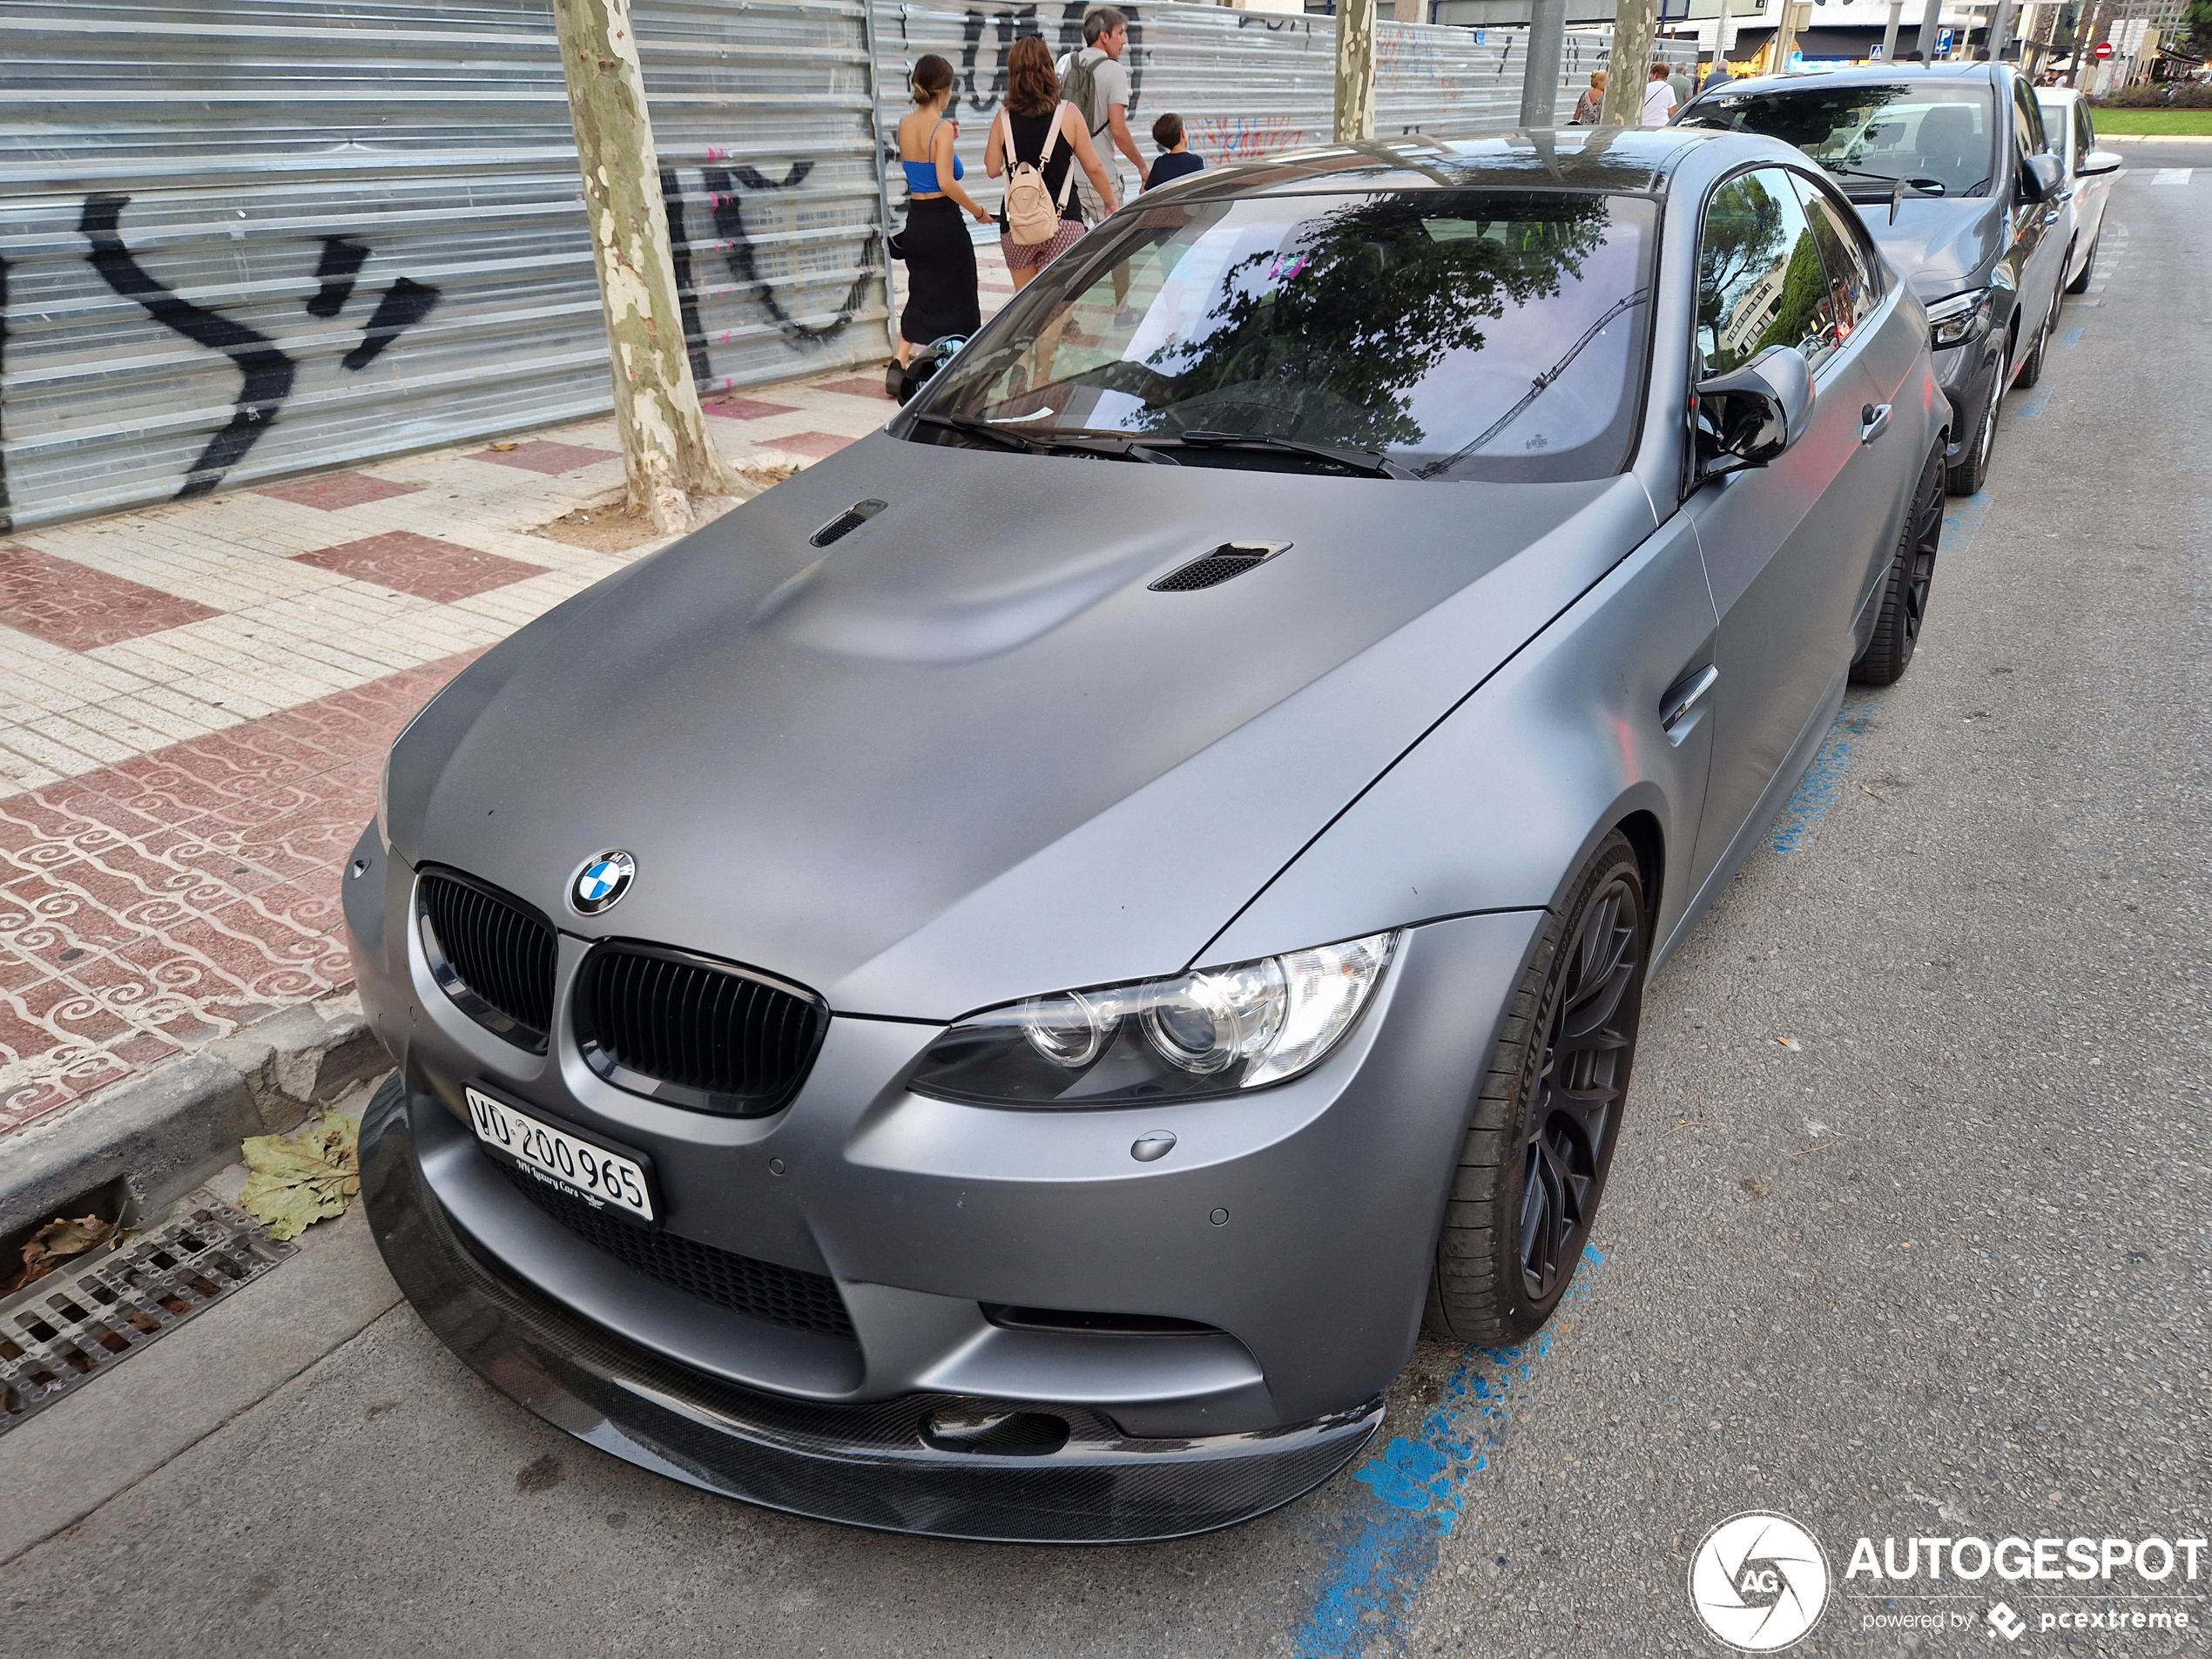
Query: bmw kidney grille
(694, 1032)
(491, 953)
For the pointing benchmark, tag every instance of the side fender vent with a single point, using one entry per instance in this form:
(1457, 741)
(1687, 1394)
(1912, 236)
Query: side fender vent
(845, 523)
(1211, 570)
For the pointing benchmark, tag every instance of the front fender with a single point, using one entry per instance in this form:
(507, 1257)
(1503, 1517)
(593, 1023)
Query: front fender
(1506, 794)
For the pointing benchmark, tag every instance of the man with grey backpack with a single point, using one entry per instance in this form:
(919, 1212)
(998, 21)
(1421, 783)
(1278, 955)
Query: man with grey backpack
(1094, 79)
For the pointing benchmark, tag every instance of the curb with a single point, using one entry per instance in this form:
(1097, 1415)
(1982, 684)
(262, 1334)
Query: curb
(2104, 138)
(164, 1134)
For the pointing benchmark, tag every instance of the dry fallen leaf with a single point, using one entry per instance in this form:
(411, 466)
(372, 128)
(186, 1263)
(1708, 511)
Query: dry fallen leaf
(1790, 1043)
(54, 1243)
(1758, 1189)
(503, 447)
(296, 1181)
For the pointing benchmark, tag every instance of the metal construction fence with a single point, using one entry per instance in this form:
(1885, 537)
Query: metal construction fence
(244, 239)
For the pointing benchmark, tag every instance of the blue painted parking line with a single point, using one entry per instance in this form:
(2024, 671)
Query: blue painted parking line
(1823, 783)
(1962, 523)
(1416, 1488)
(2032, 406)
(2073, 337)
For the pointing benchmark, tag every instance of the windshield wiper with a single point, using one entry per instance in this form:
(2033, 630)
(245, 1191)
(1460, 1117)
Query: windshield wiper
(1537, 387)
(1926, 186)
(974, 428)
(1360, 461)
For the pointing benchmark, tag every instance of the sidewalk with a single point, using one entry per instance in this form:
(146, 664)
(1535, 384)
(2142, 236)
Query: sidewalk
(195, 702)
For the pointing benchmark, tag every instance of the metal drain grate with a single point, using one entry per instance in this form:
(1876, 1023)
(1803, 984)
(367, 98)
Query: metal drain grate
(79, 1320)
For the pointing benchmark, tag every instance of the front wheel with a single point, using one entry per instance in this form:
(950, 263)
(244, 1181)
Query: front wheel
(1547, 1111)
(1964, 476)
(2032, 368)
(1904, 600)
(2080, 284)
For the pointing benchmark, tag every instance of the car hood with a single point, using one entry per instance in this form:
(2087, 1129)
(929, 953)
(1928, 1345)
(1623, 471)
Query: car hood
(1939, 246)
(965, 753)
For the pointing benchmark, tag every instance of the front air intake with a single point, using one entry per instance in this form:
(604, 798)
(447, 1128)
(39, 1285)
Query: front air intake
(1211, 570)
(490, 953)
(694, 1032)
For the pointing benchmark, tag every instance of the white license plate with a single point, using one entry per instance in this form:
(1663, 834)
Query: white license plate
(592, 1172)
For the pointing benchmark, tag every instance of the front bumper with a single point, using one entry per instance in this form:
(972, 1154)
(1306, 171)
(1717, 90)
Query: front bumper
(1294, 1226)
(867, 1465)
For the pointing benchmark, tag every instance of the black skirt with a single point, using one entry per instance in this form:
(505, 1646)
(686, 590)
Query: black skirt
(941, 274)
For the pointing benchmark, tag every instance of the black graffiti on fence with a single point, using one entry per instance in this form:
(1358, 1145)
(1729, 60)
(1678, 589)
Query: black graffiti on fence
(405, 303)
(342, 259)
(736, 249)
(264, 372)
(687, 297)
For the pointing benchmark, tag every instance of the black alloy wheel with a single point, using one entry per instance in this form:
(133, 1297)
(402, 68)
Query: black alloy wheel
(1546, 1114)
(2032, 367)
(1966, 476)
(1904, 602)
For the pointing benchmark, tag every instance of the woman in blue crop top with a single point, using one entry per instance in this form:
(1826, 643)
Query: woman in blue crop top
(941, 260)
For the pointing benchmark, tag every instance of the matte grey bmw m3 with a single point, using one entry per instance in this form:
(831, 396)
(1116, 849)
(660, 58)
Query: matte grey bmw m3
(994, 990)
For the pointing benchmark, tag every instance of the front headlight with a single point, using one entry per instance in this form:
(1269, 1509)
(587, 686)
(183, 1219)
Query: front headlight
(1214, 1032)
(1957, 320)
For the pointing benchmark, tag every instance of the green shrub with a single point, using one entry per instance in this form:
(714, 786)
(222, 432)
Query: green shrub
(2174, 95)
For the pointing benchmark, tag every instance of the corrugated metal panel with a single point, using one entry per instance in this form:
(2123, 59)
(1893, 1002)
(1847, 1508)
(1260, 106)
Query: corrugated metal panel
(251, 239)
(1247, 84)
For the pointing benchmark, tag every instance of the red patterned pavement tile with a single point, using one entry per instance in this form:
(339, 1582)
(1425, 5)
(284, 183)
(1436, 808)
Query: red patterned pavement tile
(420, 565)
(79, 608)
(816, 444)
(154, 905)
(858, 385)
(746, 408)
(541, 454)
(339, 490)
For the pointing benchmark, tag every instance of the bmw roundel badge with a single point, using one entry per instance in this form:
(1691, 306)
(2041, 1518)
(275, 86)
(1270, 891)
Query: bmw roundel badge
(602, 881)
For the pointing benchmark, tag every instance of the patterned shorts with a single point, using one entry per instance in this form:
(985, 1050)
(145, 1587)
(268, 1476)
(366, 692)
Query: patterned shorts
(1021, 255)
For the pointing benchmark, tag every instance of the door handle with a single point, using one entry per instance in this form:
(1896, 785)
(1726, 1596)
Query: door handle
(1873, 421)
(1682, 698)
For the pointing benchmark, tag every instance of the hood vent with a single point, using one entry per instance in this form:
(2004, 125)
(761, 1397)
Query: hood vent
(845, 523)
(1211, 570)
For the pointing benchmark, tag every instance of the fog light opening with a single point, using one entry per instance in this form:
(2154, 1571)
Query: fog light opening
(996, 1433)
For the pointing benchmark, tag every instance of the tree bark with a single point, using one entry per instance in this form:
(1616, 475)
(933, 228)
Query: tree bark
(1627, 72)
(1355, 71)
(666, 454)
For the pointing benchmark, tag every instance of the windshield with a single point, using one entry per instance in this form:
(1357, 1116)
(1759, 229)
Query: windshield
(1937, 135)
(1453, 334)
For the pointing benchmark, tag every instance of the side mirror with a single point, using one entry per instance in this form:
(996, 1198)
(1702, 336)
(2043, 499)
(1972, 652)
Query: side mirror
(2043, 178)
(1750, 415)
(2099, 161)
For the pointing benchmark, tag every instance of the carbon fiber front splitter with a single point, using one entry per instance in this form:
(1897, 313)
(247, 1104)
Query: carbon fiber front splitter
(865, 1465)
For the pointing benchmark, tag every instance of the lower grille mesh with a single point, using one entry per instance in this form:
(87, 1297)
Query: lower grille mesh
(785, 1296)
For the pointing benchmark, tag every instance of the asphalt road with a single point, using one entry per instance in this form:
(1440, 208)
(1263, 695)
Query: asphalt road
(1938, 1264)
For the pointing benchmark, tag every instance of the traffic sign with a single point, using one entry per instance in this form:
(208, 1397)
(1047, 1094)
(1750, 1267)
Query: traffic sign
(2104, 51)
(1943, 43)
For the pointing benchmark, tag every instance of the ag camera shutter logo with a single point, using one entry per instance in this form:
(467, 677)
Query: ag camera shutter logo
(1759, 1581)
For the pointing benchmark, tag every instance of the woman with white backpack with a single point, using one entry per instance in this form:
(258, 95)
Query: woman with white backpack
(1035, 137)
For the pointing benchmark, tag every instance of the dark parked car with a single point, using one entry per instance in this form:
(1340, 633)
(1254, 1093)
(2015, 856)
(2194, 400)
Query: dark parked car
(1950, 165)
(991, 991)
